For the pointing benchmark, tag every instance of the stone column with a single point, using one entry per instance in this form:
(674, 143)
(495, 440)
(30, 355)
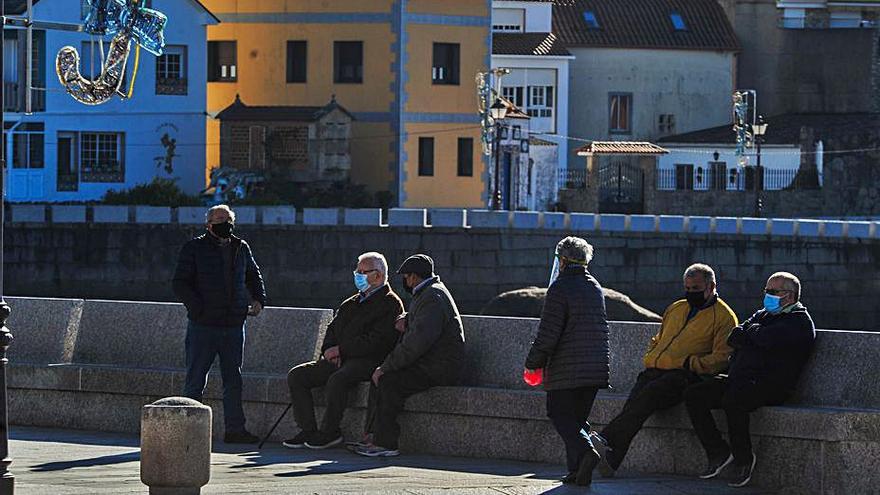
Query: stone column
(176, 446)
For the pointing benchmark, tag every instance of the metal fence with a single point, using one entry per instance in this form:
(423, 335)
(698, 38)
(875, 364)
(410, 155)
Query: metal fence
(572, 179)
(731, 179)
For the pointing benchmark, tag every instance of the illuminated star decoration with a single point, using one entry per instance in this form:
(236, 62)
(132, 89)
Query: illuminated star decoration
(125, 21)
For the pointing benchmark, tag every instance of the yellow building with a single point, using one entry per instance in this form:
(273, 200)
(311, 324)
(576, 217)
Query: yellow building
(403, 68)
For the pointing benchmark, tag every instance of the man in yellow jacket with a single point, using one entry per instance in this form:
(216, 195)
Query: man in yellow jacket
(692, 341)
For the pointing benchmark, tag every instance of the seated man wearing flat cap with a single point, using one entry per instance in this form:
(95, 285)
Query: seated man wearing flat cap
(429, 353)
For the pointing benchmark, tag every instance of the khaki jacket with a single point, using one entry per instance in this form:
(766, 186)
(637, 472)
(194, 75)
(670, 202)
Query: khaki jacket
(702, 340)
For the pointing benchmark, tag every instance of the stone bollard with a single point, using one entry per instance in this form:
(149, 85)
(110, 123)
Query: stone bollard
(175, 446)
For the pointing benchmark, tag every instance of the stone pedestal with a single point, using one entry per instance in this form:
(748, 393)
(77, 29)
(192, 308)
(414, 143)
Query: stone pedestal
(175, 446)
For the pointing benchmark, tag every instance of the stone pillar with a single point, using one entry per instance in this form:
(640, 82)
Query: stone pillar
(591, 202)
(175, 446)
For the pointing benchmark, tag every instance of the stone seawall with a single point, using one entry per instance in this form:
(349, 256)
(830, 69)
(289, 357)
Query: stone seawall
(311, 266)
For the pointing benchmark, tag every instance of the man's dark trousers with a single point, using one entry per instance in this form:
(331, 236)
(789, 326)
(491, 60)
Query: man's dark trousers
(393, 390)
(568, 409)
(738, 399)
(336, 382)
(203, 344)
(654, 390)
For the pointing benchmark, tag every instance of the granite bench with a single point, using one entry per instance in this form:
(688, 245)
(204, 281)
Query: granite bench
(93, 364)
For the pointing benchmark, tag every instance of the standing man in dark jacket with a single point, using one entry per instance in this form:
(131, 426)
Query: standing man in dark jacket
(220, 284)
(572, 349)
(430, 353)
(770, 351)
(357, 340)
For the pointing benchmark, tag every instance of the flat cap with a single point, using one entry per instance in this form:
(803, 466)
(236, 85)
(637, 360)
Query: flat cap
(420, 264)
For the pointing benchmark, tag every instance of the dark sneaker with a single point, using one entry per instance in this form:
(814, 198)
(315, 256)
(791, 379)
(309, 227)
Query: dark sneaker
(585, 472)
(364, 442)
(299, 441)
(322, 440)
(242, 436)
(716, 465)
(376, 451)
(743, 473)
(569, 479)
(601, 446)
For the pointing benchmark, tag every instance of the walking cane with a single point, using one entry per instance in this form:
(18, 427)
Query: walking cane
(274, 426)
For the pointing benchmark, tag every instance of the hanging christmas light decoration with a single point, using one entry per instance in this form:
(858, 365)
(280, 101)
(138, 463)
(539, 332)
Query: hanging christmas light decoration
(126, 22)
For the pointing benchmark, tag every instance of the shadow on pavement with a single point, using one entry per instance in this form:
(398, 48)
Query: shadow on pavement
(95, 461)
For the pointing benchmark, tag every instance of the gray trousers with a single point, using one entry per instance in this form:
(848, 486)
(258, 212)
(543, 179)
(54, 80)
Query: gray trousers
(336, 382)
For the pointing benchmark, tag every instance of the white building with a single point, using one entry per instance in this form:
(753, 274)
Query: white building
(523, 41)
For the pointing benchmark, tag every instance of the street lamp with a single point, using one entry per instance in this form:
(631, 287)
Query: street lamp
(759, 128)
(498, 111)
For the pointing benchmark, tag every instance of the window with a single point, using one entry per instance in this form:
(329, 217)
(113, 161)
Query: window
(348, 62)
(666, 123)
(590, 19)
(516, 28)
(101, 157)
(540, 102)
(677, 22)
(296, 61)
(446, 61)
(465, 157)
(513, 94)
(27, 145)
(620, 113)
(426, 156)
(508, 20)
(684, 176)
(171, 71)
(222, 61)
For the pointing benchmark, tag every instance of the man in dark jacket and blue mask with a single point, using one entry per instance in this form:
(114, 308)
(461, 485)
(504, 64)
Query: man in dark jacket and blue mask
(430, 353)
(770, 350)
(220, 284)
(572, 349)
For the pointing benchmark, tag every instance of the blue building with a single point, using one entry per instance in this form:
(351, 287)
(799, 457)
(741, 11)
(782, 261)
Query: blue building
(66, 151)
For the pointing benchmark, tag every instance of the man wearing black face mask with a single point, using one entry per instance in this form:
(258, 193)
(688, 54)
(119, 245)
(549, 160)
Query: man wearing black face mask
(220, 284)
(692, 341)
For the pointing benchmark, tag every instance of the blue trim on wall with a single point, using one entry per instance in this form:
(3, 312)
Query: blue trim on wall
(441, 118)
(306, 18)
(373, 116)
(449, 20)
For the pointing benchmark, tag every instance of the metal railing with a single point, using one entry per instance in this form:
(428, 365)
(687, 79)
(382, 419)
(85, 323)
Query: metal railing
(733, 179)
(572, 179)
(13, 98)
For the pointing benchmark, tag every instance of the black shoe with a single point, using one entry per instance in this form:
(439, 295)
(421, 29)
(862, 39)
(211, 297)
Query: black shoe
(242, 436)
(743, 474)
(601, 446)
(585, 472)
(299, 441)
(321, 440)
(569, 478)
(716, 465)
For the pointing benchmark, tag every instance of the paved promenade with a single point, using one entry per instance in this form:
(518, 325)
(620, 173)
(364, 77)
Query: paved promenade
(61, 462)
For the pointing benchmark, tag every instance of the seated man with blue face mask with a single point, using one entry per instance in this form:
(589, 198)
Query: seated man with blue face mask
(770, 351)
(357, 340)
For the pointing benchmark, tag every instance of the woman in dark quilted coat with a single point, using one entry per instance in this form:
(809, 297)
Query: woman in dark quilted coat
(572, 349)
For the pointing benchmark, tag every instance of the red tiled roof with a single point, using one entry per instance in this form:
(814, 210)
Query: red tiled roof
(644, 24)
(620, 148)
(538, 44)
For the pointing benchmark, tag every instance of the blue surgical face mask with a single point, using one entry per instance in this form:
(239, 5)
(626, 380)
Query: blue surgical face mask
(360, 281)
(771, 303)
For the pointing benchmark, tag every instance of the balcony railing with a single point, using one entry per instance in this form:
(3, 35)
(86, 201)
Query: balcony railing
(572, 179)
(170, 86)
(14, 98)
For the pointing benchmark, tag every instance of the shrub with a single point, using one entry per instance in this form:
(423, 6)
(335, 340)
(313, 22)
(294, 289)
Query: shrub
(159, 192)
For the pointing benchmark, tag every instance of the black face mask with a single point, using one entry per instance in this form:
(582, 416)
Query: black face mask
(406, 286)
(222, 230)
(695, 299)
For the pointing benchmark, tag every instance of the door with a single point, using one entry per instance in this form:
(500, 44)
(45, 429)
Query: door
(26, 164)
(68, 165)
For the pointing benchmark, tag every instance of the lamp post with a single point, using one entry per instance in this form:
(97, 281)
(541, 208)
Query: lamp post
(498, 110)
(7, 480)
(759, 128)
